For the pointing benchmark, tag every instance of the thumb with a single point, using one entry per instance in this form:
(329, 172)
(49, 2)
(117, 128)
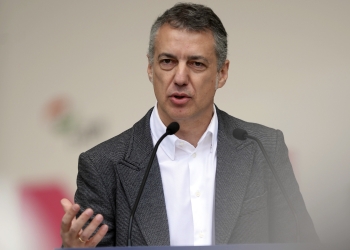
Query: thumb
(66, 204)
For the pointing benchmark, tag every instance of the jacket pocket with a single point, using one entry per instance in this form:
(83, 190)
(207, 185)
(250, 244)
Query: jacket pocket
(254, 204)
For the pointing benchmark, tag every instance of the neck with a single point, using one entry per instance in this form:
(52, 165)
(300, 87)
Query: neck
(192, 131)
(191, 128)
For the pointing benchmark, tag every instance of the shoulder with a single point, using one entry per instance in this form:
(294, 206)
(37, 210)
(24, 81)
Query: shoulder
(272, 139)
(228, 123)
(117, 147)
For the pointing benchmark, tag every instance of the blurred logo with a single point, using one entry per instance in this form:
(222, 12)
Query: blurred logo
(65, 121)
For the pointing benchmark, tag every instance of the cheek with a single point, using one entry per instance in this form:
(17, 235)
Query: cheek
(161, 81)
(159, 89)
(207, 87)
(156, 87)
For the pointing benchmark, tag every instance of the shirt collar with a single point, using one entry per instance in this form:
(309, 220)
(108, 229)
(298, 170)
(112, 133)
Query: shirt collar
(169, 142)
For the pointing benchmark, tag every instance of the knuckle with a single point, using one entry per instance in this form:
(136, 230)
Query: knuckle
(85, 235)
(63, 223)
(84, 217)
(96, 222)
(94, 241)
(73, 231)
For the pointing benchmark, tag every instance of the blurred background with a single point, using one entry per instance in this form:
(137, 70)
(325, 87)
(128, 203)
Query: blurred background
(73, 74)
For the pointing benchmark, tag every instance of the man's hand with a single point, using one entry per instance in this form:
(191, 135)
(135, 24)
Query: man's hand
(72, 232)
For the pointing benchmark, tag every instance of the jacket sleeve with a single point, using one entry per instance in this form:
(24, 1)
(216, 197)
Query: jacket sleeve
(92, 192)
(282, 226)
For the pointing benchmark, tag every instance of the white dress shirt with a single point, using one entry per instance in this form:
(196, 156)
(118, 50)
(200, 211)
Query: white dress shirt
(188, 177)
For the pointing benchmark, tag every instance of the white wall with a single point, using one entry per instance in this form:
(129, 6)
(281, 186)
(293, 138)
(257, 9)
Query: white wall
(290, 64)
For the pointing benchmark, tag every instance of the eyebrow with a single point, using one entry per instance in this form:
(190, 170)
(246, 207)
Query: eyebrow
(198, 58)
(166, 55)
(188, 58)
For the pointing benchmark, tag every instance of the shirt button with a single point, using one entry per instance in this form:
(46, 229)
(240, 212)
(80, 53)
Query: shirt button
(198, 193)
(194, 155)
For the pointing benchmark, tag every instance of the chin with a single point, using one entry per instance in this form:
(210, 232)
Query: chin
(179, 117)
(177, 114)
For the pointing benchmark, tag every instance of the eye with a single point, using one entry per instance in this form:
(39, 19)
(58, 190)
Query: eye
(166, 61)
(198, 65)
(167, 64)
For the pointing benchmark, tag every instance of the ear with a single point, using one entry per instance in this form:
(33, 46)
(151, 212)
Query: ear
(223, 74)
(150, 70)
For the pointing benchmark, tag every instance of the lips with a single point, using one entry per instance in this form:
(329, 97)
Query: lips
(179, 98)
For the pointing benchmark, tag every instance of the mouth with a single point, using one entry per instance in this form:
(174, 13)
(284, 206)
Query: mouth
(179, 98)
(179, 95)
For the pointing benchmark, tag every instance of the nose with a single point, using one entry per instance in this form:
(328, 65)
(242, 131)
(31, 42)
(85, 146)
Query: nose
(181, 74)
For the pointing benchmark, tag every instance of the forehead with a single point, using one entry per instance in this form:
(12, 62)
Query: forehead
(182, 41)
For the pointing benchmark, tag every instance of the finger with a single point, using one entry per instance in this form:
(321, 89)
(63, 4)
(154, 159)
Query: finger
(66, 204)
(98, 236)
(91, 228)
(80, 222)
(68, 217)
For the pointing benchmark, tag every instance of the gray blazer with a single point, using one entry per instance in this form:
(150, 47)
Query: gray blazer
(249, 207)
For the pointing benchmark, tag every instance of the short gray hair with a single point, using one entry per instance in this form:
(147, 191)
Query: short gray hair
(192, 17)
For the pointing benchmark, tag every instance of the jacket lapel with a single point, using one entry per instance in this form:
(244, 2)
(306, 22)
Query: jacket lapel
(150, 215)
(234, 163)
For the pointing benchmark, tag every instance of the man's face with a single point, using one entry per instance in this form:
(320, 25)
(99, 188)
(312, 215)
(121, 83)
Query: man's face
(184, 75)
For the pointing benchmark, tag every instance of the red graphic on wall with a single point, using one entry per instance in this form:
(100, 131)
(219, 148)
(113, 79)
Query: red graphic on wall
(42, 214)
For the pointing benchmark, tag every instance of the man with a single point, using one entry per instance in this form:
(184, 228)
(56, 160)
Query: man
(205, 187)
